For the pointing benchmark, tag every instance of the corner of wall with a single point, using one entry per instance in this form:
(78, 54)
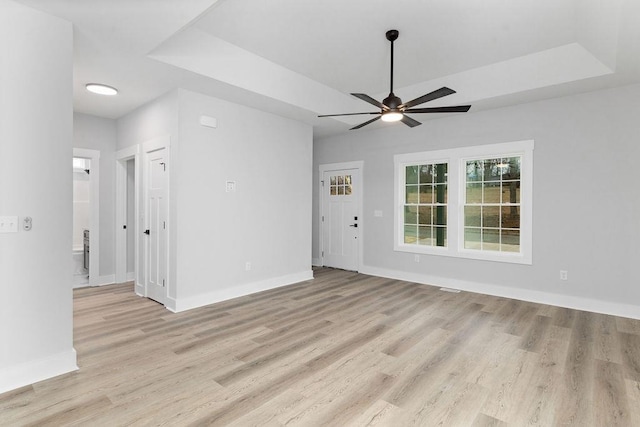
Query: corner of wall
(37, 370)
(188, 303)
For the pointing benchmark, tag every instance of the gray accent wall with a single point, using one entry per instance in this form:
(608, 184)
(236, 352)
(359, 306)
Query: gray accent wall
(585, 199)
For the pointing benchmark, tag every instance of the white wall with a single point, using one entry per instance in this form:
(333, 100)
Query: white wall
(96, 133)
(586, 206)
(36, 313)
(152, 120)
(158, 118)
(213, 233)
(266, 222)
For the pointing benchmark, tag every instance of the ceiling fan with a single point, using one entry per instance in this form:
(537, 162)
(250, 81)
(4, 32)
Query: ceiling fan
(392, 109)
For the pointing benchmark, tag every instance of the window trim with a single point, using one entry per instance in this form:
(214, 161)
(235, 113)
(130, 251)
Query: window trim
(456, 159)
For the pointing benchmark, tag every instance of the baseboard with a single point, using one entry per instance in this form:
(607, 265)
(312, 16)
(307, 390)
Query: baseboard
(131, 276)
(316, 262)
(27, 373)
(109, 279)
(568, 301)
(182, 304)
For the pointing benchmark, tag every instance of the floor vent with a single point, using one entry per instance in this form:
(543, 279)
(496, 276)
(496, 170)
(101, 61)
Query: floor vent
(455, 291)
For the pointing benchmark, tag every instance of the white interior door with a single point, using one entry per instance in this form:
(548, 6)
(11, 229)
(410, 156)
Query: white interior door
(156, 225)
(341, 218)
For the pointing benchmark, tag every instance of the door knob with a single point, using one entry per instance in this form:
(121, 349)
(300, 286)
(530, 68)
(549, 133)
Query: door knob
(146, 232)
(354, 225)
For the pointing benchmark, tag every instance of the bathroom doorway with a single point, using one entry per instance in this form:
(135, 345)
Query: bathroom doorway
(86, 235)
(81, 214)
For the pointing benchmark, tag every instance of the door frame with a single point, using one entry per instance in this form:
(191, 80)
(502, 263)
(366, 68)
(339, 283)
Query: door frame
(358, 164)
(122, 157)
(94, 213)
(137, 153)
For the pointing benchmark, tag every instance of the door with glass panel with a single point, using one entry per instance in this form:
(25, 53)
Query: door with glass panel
(341, 218)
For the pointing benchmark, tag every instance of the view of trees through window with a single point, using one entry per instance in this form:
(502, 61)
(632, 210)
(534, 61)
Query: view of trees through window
(492, 204)
(425, 207)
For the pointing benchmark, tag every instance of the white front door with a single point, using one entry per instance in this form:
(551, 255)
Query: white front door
(341, 218)
(156, 225)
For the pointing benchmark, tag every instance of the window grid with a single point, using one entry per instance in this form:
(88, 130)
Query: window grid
(340, 185)
(492, 204)
(425, 204)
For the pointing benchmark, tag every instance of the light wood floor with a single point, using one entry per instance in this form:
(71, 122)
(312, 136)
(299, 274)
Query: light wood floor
(343, 350)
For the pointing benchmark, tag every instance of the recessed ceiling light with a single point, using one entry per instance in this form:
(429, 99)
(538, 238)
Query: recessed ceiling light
(101, 89)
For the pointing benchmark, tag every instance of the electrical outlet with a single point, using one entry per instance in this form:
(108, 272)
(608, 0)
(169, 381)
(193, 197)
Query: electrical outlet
(416, 258)
(247, 266)
(564, 275)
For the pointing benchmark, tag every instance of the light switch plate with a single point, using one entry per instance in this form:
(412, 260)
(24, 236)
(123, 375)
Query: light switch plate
(8, 224)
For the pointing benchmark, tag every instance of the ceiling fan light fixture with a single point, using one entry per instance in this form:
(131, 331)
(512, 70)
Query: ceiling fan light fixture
(392, 108)
(391, 116)
(101, 89)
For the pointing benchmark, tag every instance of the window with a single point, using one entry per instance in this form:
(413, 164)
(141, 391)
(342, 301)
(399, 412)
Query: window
(425, 205)
(492, 204)
(472, 202)
(340, 185)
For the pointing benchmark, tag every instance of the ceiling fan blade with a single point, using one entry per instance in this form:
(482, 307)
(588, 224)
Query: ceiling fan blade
(370, 100)
(409, 121)
(366, 123)
(346, 114)
(443, 91)
(455, 109)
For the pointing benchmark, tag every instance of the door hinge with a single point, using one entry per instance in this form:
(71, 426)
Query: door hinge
(323, 253)
(322, 218)
(163, 283)
(164, 225)
(164, 166)
(322, 182)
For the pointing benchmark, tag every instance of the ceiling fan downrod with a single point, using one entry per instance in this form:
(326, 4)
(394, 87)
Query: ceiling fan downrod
(392, 35)
(392, 101)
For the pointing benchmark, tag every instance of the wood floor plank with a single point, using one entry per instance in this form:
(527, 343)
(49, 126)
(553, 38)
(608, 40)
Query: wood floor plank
(610, 395)
(633, 394)
(344, 349)
(576, 390)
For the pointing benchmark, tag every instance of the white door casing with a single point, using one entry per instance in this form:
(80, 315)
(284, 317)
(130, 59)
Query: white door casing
(156, 222)
(122, 156)
(341, 215)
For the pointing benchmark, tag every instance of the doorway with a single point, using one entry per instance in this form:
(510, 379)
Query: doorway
(86, 211)
(127, 217)
(142, 218)
(341, 215)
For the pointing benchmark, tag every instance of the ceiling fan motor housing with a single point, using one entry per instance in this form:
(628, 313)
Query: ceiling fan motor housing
(392, 101)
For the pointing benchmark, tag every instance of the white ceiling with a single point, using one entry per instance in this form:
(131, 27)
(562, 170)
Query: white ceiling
(303, 58)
